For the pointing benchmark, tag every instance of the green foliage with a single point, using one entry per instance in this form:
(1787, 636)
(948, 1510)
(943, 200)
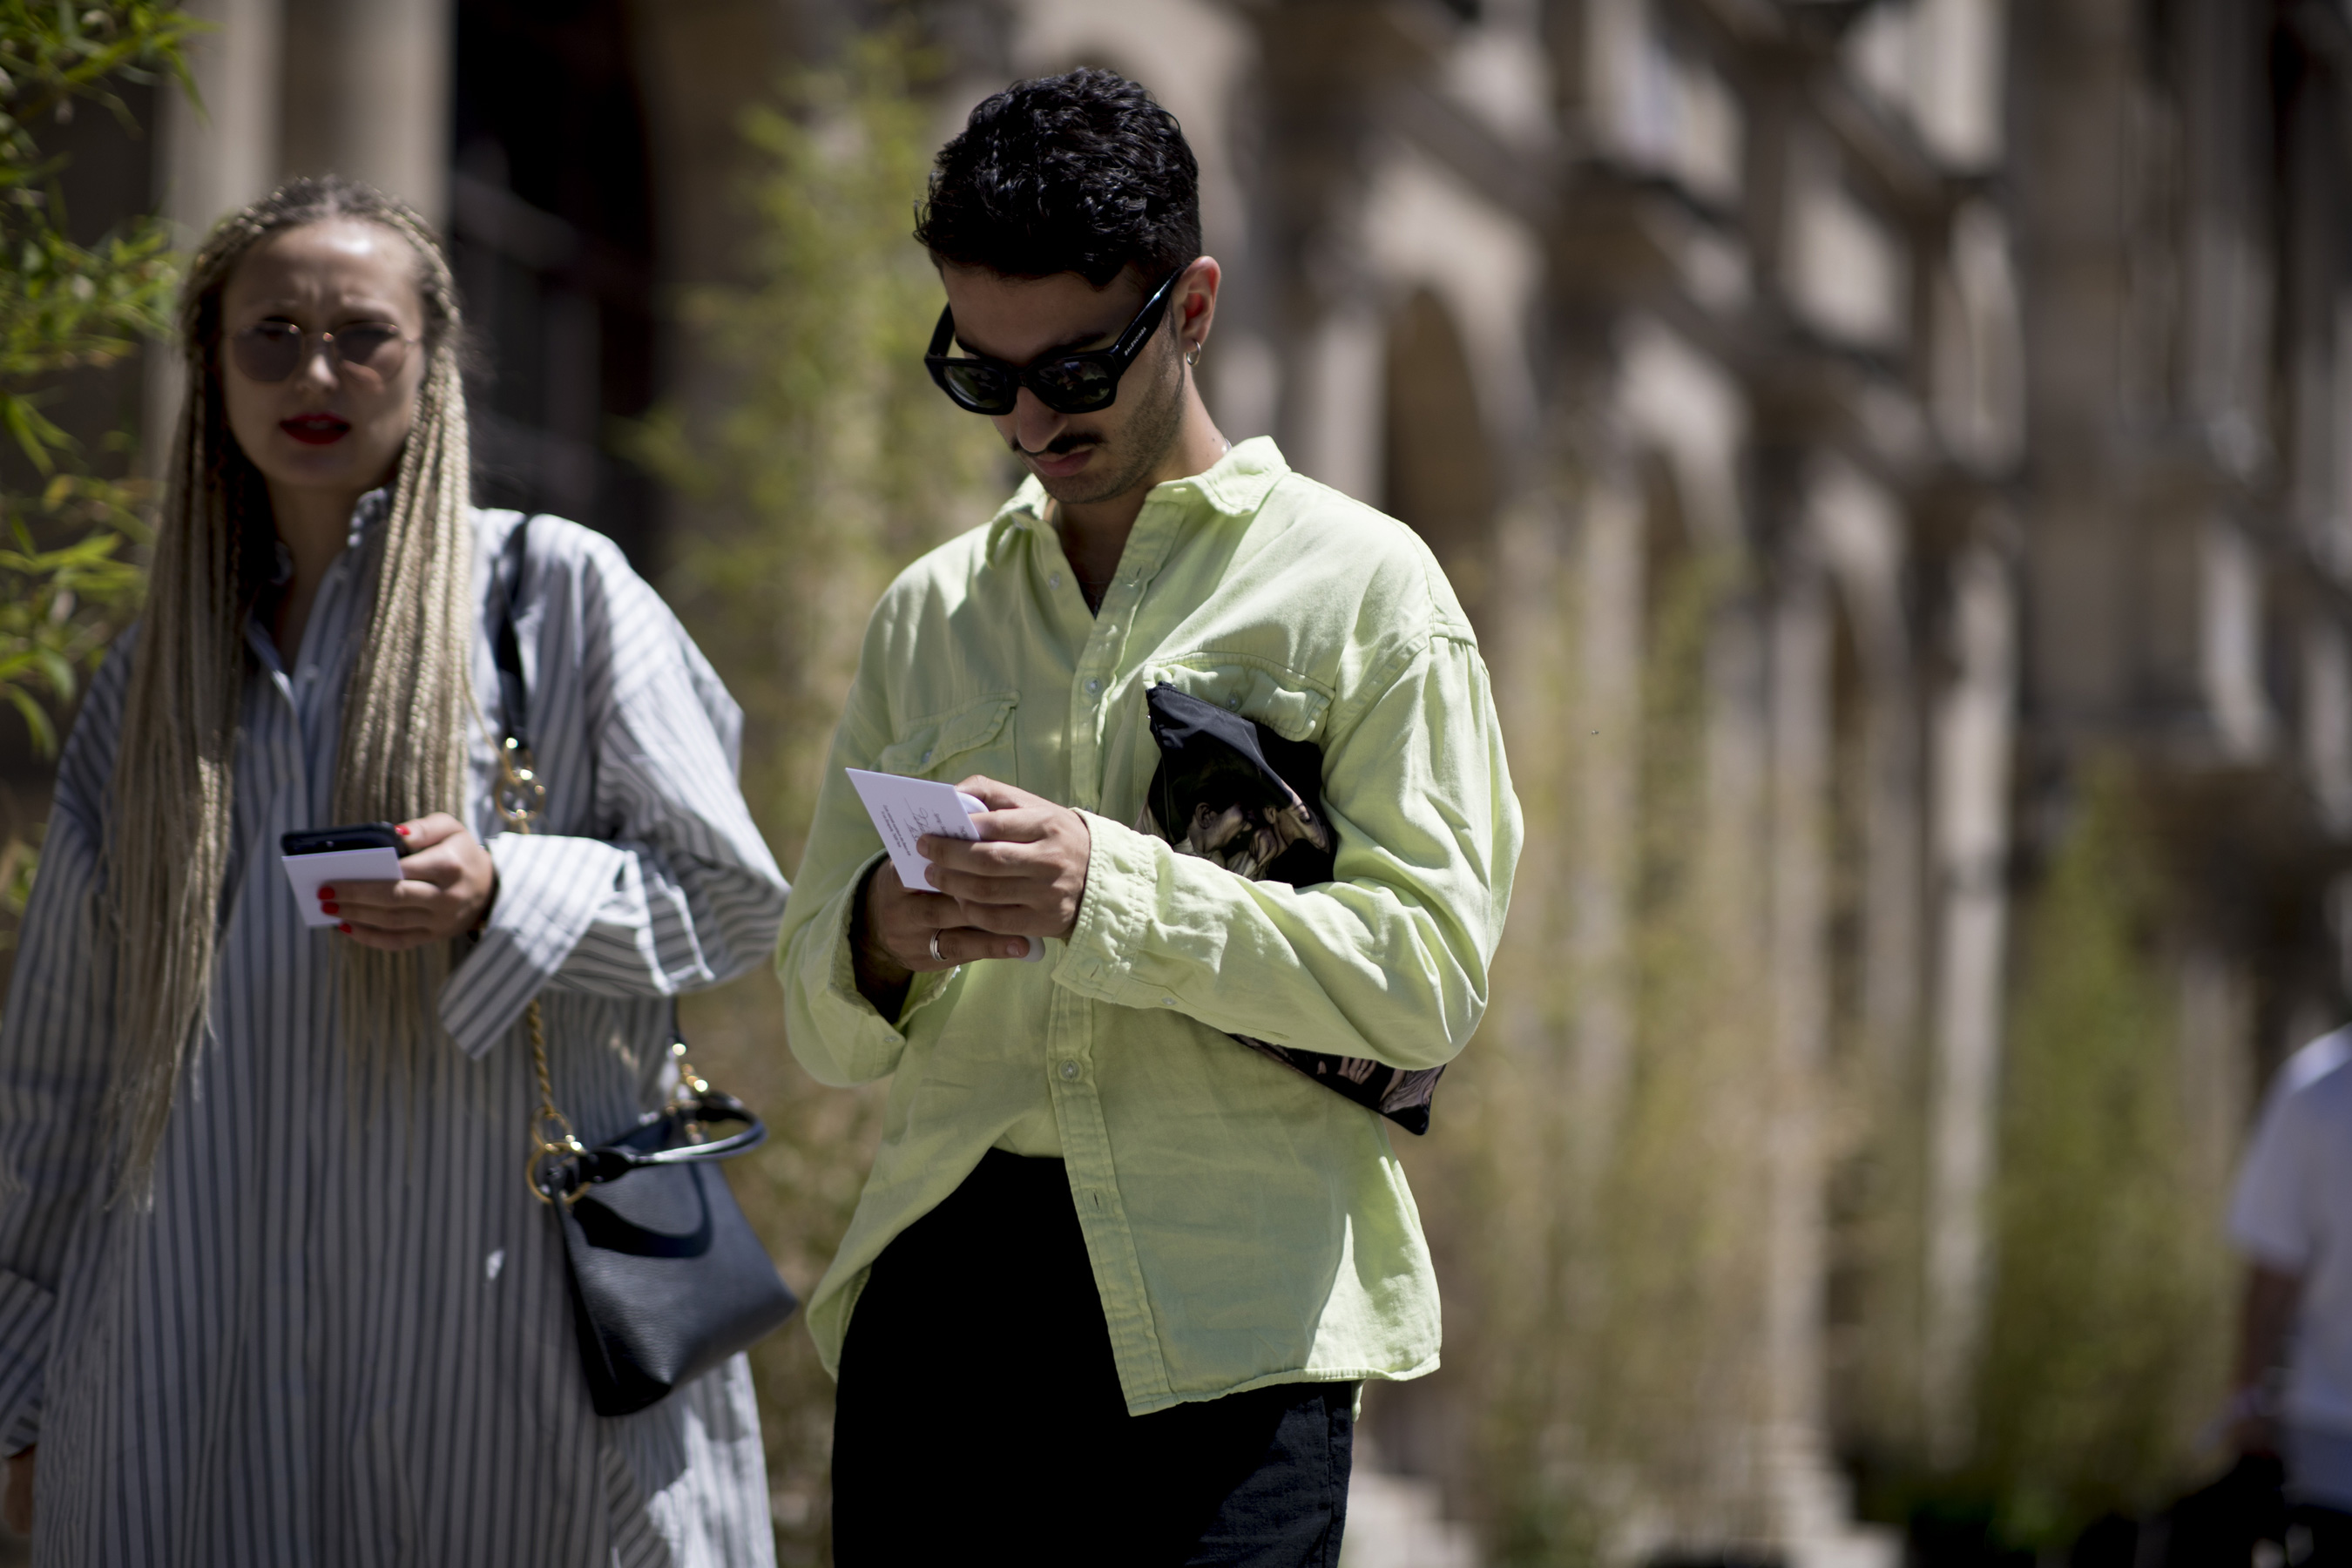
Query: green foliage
(830, 462)
(2110, 1314)
(17, 859)
(67, 309)
(64, 308)
(55, 619)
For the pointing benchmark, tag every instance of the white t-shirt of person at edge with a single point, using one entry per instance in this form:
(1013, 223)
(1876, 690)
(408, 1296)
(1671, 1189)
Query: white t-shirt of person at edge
(2293, 1212)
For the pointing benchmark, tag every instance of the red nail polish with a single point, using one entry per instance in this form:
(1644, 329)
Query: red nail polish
(326, 893)
(345, 928)
(330, 908)
(402, 831)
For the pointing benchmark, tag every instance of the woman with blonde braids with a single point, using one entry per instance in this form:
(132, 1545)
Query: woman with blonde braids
(272, 1288)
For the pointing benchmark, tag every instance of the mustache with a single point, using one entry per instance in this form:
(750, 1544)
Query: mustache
(1059, 446)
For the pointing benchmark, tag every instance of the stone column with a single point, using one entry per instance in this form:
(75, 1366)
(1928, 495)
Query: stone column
(1970, 747)
(212, 159)
(367, 94)
(1606, 742)
(226, 154)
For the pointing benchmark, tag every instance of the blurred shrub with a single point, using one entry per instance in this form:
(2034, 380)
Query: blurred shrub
(1601, 1235)
(827, 462)
(64, 585)
(2111, 1312)
(1607, 1238)
(832, 461)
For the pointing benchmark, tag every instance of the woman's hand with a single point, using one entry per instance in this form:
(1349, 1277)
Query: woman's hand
(447, 882)
(16, 1507)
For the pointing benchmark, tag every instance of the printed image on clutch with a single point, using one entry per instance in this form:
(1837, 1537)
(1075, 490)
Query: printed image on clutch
(1233, 793)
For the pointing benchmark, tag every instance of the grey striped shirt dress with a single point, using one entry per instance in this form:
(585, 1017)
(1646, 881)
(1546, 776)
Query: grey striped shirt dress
(338, 1338)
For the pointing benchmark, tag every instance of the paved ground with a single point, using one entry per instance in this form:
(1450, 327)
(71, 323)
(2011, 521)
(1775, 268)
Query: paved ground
(1394, 1521)
(1397, 1521)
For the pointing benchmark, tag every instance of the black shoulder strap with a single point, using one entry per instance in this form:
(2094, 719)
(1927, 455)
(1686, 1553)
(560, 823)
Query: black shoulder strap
(506, 603)
(514, 706)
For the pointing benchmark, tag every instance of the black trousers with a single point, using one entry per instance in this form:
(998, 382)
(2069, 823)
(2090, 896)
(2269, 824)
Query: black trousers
(2318, 1537)
(979, 1417)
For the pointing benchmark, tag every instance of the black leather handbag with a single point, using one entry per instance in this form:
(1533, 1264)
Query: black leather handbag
(669, 1278)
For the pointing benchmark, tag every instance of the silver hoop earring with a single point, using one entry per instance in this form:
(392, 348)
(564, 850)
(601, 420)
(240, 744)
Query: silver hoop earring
(1192, 356)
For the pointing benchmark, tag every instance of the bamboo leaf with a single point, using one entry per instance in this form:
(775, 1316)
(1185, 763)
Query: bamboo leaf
(44, 732)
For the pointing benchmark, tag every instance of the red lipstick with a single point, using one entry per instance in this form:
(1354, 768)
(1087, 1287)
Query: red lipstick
(316, 430)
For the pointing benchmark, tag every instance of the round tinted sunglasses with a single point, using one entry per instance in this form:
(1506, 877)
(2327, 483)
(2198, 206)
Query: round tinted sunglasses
(1067, 383)
(272, 351)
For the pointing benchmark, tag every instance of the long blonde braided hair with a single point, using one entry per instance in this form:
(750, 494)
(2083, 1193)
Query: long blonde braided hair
(403, 745)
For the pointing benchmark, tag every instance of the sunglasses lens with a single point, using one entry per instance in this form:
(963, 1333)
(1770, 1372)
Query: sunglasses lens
(1075, 386)
(269, 351)
(978, 387)
(373, 347)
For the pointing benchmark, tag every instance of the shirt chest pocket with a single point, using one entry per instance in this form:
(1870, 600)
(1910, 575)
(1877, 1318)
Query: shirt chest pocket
(1290, 707)
(977, 738)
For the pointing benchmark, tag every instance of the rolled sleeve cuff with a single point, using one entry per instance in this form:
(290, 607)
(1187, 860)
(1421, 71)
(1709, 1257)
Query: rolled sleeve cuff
(550, 890)
(1124, 869)
(24, 1312)
(867, 1045)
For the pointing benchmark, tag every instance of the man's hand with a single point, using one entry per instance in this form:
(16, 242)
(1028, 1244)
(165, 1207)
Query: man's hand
(1026, 873)
(893, 939)
(16, 1507)
(447, 882)
(1027, 876)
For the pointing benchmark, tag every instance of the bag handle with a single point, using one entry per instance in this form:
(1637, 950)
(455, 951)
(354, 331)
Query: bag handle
(560, 1165)
(572, 1175)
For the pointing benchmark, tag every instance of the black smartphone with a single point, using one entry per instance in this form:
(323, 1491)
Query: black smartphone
(359, 836)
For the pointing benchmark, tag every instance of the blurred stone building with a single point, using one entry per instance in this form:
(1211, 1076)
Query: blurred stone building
(1968, 384)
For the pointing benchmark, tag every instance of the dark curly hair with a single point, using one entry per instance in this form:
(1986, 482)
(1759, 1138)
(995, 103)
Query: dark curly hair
(1082, 173)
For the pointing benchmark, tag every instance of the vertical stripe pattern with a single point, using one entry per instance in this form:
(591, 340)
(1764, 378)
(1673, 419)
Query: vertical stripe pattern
(341, 1330)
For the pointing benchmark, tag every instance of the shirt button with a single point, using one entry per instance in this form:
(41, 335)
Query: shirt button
(1235, 703)
(1055, 581)
(1093, 686)
(927, 759)
(1168, 1001)
(1069, 1071)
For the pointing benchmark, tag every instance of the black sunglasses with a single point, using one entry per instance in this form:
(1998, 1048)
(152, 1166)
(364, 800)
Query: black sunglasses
(1067, 383)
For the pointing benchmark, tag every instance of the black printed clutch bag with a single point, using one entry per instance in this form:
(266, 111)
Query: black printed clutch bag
(1231, 790)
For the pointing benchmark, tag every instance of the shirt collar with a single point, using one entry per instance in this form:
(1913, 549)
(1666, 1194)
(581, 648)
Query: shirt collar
(1235, 486)
(371, 510)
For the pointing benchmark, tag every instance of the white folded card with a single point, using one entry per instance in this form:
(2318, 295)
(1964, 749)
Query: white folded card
(308, 873)
(903, 809)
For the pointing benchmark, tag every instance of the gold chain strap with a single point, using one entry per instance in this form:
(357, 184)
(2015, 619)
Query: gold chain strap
(521, 797)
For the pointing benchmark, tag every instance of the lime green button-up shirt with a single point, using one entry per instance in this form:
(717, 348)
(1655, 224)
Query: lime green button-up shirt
(1245, 1224)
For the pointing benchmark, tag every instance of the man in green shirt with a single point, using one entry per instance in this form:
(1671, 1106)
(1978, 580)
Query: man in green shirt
(1116, 1274)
